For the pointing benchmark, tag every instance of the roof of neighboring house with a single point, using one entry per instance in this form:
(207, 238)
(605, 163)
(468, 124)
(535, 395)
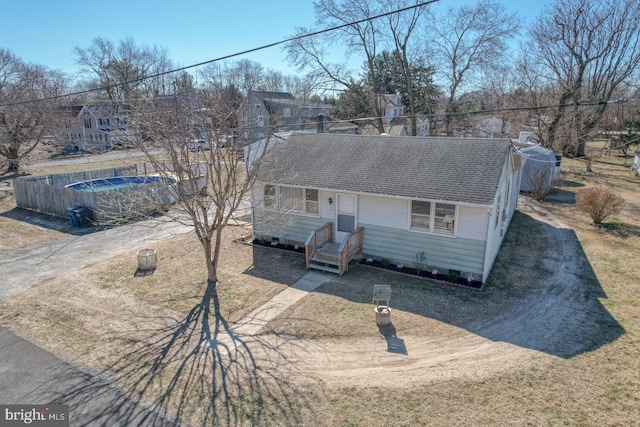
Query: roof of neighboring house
(391, 100)
(71, 110)
(451, 169)
(285, 98)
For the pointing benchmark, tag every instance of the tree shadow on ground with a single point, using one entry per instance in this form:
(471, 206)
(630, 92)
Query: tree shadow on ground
(542, 294)
(192, 371)
(570, 184)
(6, 176)
(276, 265)
(620, 229)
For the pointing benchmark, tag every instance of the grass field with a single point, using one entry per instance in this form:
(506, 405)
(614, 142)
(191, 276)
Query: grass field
(147, 333)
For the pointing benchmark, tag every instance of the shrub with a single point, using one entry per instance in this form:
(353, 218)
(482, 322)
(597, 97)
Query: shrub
(598, 202)
(540, 181)
(421, 262)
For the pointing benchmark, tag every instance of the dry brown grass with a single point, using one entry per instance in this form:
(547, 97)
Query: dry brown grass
(89, 315)
(16, 234)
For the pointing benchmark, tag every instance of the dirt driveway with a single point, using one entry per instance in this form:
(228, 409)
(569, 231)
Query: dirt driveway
(557, 317)
(560, 318)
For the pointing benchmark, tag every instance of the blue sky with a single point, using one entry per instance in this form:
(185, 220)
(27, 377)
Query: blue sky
(193, 31)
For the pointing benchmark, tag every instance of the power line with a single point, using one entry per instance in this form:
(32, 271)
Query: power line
(233, 55)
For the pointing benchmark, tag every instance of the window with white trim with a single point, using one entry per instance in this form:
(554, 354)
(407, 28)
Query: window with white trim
(296, 199)
(287, 112)
(433, 217)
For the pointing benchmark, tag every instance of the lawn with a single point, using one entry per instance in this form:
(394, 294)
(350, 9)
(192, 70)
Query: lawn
(324, 360)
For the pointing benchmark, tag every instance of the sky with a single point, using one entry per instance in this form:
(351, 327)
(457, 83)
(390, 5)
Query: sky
(193, 31)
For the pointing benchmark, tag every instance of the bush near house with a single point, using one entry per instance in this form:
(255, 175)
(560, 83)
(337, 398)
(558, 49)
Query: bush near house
(598, 202)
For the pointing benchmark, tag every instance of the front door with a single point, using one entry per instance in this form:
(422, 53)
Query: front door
(345, 216)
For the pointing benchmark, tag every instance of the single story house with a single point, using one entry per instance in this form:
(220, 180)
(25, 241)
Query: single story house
(449, 200)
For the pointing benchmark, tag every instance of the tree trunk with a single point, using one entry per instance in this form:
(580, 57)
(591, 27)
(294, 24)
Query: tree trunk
(14, 165)
(211, 260)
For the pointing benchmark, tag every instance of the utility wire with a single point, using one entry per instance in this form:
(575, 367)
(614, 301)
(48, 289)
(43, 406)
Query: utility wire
(233, 55)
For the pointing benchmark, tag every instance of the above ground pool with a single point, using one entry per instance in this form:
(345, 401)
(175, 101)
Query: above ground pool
(114, 183)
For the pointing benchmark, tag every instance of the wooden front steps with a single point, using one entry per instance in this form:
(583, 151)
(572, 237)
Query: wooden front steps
(322, 254)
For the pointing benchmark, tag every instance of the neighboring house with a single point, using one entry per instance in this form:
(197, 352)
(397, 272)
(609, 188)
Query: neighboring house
(492, 127)
(92, 127)
(528, 138)
(391, 107)
(343, 127)
(451, 199)
(263, 113)
(423, 126)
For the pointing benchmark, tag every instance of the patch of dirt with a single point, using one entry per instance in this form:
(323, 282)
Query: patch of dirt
(533, 327)
(548, 322)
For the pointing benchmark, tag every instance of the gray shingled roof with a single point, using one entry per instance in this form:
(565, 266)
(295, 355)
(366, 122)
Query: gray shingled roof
(451, 169)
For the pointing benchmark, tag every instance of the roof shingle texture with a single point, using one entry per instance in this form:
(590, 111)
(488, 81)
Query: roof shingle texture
(449, 169)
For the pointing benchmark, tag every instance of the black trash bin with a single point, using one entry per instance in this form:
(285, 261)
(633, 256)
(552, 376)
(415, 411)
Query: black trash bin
(71, 213)
(83, 215)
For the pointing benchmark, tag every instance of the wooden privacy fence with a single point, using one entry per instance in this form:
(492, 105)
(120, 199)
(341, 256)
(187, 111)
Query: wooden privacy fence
(48, 194)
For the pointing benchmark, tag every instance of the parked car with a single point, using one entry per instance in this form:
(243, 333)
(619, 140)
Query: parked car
(198, 145)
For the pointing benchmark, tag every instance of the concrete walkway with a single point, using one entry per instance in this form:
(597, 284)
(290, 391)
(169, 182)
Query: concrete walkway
(258, 318)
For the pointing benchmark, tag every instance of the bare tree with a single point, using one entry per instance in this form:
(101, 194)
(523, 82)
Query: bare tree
(467, 42)
(22, 122)
(540, 181)
(209, 183)
(587, 48)
(402, 26)
(119, 70)
(365, 38)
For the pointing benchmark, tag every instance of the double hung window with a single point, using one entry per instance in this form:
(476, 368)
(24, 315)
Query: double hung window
(433, 217)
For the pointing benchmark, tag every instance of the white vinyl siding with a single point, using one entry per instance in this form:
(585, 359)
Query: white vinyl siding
(327, 210)
(473, 222)
(383, 211)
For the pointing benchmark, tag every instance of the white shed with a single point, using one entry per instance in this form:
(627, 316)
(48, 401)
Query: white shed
(541, 167)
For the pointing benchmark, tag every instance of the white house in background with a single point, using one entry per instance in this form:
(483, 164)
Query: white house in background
(494, 126)
(391, 106)
(451, 199)
(90, 127)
